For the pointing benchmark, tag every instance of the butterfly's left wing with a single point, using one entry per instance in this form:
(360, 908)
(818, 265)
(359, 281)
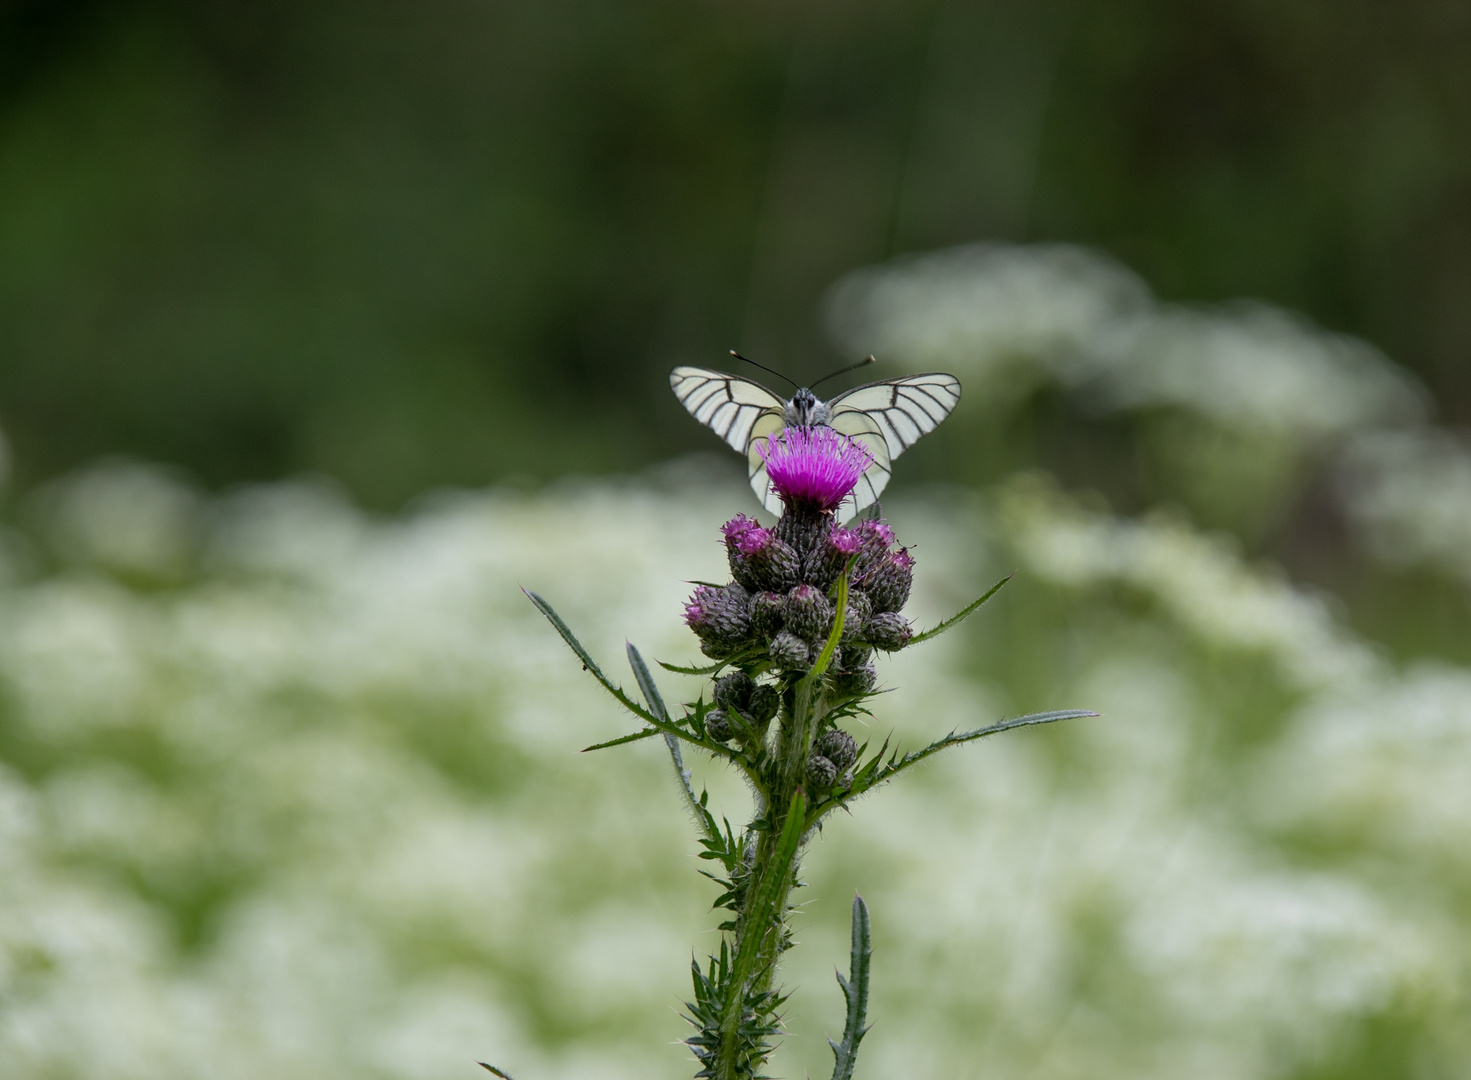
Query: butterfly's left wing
(766, 425)
(888, 417)
(727, 405)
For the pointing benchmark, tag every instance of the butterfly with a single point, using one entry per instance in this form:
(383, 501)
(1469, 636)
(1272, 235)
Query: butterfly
(887, 417)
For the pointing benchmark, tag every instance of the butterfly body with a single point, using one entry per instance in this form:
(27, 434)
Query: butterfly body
(805, 410)
(887, 417)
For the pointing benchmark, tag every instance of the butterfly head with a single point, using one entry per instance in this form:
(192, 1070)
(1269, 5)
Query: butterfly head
(805, 410)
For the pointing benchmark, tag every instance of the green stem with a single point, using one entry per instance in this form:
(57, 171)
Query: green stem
(761, 930)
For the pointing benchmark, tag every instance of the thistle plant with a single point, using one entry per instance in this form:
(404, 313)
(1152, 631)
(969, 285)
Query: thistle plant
(792, 640)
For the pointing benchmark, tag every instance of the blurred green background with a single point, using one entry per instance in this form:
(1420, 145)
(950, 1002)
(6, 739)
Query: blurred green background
(410, 245)
(323, 326)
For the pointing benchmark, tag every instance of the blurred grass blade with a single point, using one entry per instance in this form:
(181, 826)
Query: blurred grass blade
(613, 688)
(855, 992)
(492, 1068)
(961, 616)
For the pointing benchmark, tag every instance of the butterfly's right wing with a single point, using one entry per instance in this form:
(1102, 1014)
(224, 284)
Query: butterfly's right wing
(863, 428)
(728, 406)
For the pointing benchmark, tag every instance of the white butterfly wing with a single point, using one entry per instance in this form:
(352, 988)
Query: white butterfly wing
(862, 428)
(888, 417)
(902, 409)
(766, 425)
(726, 405)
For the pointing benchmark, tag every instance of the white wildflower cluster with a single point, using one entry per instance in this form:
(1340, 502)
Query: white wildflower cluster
(1408, 492)
(1008, 314)
(302, 800)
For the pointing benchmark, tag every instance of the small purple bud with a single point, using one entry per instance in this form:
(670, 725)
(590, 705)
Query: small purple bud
(888, 630)
(838, 747)
(889, 581)
(789, 652)
(877, 538)
(733, 530)
(720, 616)
(766, 614)
(828, 557)
(758, 559)
(808, 613)
(820, 773)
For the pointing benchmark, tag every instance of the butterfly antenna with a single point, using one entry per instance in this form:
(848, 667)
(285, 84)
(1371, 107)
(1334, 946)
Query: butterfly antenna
(844, 371)
(763, 367)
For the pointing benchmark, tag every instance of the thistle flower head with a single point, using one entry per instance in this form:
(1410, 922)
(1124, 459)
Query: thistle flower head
(743, 534)
(828, 557)
(846, 541)
(876, 537)
(758, 558)
(813, 466)
(889, 579)
(721, 617)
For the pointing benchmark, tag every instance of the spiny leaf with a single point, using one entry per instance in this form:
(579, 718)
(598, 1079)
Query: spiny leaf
(897, 765)
(492, 1068)
(955, 619)
(680, 669)
(635, 737)
(613, 688)
(588, 662)
(855, 992)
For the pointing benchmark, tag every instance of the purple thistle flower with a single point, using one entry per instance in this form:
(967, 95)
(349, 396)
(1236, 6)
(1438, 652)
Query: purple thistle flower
(813, 466)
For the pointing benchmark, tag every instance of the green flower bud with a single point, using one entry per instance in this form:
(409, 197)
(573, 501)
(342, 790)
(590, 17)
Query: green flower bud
(838, 747)
(857, 680)
(888, 631)
(820, 773)
(808, 613)
(766, 615)
(789, 652)
(859, 609)
(733, 691)
(765, 703)
(717, 725)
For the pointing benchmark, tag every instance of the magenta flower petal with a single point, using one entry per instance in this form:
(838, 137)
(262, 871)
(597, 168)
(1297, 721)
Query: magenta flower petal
(813, 466)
